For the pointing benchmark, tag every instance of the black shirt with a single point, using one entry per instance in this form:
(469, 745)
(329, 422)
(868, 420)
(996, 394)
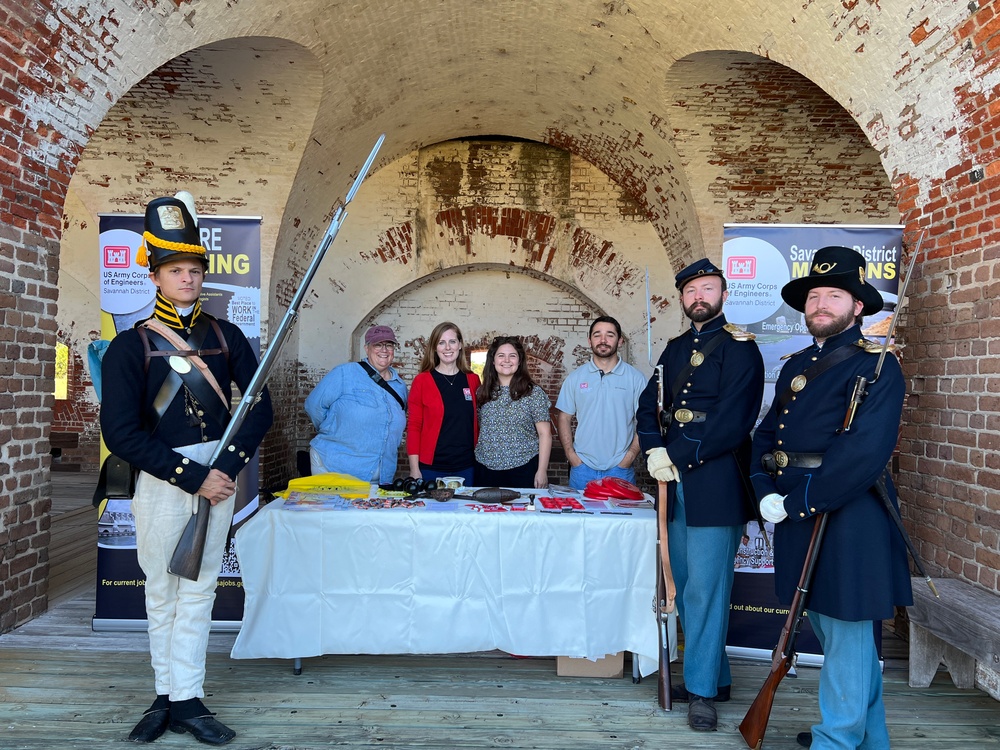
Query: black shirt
(455, 446)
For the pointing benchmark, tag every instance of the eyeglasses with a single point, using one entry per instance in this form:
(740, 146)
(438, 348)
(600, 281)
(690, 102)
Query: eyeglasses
(383, 346)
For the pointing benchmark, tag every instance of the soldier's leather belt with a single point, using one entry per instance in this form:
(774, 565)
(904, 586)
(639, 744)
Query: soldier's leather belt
(784, 459)
(681, 415)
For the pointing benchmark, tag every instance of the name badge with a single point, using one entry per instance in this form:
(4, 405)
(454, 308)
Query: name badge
(468, 393)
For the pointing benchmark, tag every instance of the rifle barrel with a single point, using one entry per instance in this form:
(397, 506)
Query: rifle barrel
(666, 592)
(284, 328)
(899, 305)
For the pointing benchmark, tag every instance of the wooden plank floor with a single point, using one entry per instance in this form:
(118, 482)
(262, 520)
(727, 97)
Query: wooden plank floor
(72, 490)
(72, 554)
(62, 685)
(73, 532)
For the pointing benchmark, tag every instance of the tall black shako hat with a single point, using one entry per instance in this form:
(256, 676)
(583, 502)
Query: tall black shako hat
(703, 267)
(837, 267)
(171, 232)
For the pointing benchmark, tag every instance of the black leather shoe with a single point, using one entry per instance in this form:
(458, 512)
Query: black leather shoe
(702, 716)
(204, 728)
(152, 724)
(680, 694)
(805, 739)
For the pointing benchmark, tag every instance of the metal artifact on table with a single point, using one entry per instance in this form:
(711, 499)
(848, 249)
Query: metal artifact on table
(496, 495)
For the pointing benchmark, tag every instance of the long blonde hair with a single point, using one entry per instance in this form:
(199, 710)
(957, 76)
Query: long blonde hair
(431, 359)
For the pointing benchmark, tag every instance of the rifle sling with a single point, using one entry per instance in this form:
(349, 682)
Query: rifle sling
(841, 354)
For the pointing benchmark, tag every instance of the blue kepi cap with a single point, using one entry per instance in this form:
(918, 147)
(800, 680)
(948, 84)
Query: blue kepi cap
(703, 267)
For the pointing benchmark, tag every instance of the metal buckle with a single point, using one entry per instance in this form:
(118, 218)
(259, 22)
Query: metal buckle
(780, 459)
(683, 415)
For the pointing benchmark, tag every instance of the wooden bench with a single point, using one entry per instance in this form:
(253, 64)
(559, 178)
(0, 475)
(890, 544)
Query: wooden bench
(959, 629)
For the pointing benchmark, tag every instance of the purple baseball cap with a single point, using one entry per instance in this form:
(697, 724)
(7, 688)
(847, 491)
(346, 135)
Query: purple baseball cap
(378, 334)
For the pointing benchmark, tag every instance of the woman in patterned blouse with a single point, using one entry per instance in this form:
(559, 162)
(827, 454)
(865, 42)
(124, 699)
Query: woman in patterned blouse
(515, 435)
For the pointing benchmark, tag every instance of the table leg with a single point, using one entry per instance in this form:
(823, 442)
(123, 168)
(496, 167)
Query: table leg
(296, 666)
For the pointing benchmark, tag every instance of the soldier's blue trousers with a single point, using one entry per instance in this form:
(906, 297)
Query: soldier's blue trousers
(702, 560)
(852, 715)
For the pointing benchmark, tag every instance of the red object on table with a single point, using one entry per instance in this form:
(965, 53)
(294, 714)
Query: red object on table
(559, 503)
(612, 488)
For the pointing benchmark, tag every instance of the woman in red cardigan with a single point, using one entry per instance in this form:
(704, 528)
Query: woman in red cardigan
(442, 425)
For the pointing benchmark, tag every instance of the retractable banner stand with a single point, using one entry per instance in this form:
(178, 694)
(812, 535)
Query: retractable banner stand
(231, 292)
(759, 259)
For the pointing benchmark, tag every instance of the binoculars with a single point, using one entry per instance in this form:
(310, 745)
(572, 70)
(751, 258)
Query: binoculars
(411, 485)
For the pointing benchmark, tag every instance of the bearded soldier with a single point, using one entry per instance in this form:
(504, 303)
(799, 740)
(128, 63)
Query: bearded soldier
(713, 377)
(818, 451)
(167, 389)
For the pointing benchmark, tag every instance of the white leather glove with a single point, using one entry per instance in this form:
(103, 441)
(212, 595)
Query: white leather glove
(772, 508)
(660, 466)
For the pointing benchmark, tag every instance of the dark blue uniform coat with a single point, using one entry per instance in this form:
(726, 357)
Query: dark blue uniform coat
(728, 387)
(862, 569)
(127, 409)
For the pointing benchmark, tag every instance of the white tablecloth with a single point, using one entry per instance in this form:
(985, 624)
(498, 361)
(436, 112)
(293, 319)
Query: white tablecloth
(446, 579)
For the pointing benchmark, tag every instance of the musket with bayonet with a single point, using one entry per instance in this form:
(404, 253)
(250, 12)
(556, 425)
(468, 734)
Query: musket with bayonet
(861, 383)
(755, 721)
(186, 559)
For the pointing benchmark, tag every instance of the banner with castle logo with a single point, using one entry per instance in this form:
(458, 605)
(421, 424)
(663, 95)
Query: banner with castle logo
(758, 260)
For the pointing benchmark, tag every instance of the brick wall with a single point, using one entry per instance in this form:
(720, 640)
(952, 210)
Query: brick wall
(949, 470)
(38, 147)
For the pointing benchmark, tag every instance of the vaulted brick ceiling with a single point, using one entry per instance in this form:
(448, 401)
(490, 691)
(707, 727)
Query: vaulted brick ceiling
(669, 99)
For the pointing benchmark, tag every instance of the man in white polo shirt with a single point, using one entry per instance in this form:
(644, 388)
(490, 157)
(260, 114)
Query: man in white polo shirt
(604, 395)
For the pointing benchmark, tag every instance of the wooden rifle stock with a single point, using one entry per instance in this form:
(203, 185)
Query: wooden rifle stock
(187, 556)
(666, 593)
(754, 724)
(186, 559)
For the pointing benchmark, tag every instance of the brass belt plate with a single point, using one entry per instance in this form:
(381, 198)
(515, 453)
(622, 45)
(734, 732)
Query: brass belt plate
(683, 415)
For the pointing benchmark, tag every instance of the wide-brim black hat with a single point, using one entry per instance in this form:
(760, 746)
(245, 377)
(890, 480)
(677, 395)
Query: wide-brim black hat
(171, 232)
(837, 267)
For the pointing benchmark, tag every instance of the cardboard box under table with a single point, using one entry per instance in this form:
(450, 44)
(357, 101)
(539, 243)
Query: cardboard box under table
(612, 666)
(453, 577)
